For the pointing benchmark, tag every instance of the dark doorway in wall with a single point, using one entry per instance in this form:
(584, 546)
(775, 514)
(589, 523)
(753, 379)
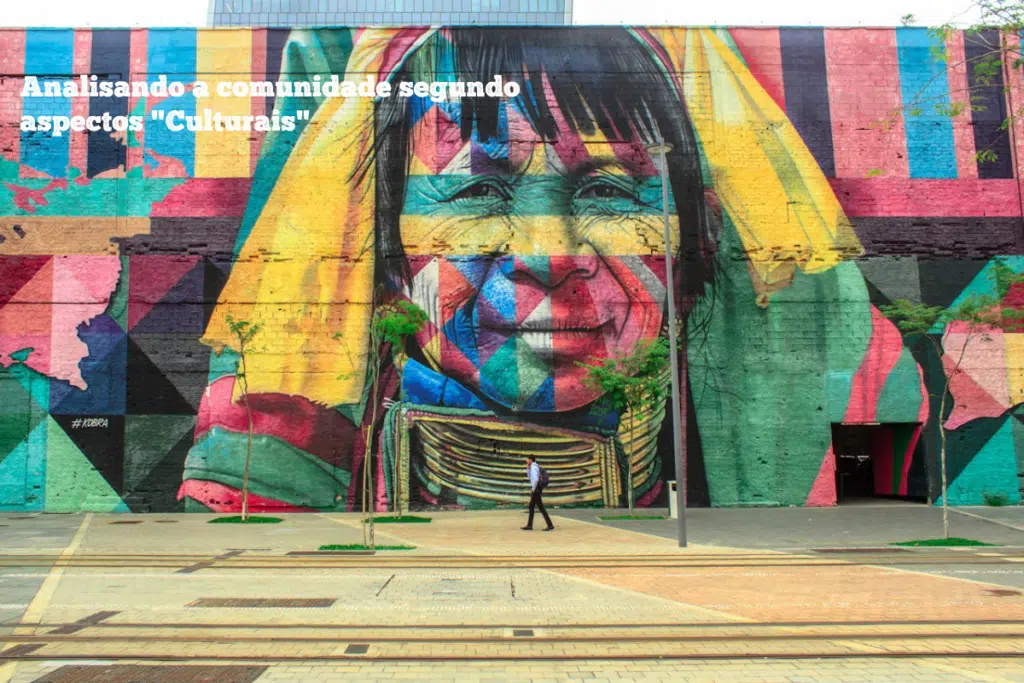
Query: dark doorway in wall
(873, 461)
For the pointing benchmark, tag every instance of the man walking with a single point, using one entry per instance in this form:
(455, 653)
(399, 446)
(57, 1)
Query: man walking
(538, 480)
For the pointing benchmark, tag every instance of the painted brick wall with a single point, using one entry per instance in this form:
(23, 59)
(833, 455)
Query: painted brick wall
(812, 179)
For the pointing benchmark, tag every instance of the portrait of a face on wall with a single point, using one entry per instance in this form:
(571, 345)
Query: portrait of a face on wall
(516, 185)
(530, 230)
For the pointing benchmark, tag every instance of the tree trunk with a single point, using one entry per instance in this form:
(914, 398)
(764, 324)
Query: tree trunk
(396, 489)
(368, 480)
(629, 460)
(248, 446)
(368, 502)
(948, 376)
(942, 461)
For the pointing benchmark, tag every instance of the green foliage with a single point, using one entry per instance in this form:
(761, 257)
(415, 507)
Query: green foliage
(911, 318)
(1004, 278)
(404, 519)
(398, 320)
(243, 330)
(1002, 18)
(996, 500)
(631, 381)
(248, 520)
(940, 542)
(988, 69)
(985, 156)
(977, 310)
(951, 110)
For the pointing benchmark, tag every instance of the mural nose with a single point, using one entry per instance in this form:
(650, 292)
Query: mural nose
(551, 272)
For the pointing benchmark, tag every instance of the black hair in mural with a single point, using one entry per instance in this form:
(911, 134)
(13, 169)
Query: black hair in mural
(608, 82)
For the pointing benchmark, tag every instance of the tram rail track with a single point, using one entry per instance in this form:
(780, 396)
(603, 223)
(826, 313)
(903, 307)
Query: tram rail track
(111, 641)
(326, 560)
(563, 647)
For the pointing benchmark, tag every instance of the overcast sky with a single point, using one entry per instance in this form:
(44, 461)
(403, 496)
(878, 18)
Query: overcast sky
(693, 12)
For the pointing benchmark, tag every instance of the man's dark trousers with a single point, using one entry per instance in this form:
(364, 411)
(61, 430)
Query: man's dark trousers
(536, 501)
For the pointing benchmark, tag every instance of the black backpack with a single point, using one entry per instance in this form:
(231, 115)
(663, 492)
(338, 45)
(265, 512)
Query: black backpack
(544, 479)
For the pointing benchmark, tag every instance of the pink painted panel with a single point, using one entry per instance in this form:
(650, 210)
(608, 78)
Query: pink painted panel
(963, 131)
(823, 490)
(881, 357)
(12, 61)
(905, 197)
(979, 386)
(864, 101)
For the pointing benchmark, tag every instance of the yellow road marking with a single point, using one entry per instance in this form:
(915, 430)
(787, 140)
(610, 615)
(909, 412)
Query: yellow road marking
(36, 608)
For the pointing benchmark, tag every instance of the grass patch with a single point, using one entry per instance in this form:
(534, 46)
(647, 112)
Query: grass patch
(996, 500)
(360, 546)
(237, 519)
(612, 518)
(404, 519)
(940, 542)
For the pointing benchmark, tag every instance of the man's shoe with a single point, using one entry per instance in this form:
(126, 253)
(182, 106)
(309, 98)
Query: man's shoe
(550, 528)
(527, 528)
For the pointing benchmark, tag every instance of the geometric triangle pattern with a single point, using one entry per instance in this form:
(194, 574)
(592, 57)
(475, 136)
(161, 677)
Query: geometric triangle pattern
(100, 439)
(159, 490)
(16, 413)
(155, 450)
(175, 358)
(893, 278)
(62, 417)
(22, 472)
(153, 280)
(148, 389)
(179, 307)
(103, 369)
(942, 282)
(14, 475)
(992, 470)
(72, 483)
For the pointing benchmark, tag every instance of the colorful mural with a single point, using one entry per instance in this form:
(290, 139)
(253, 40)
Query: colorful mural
(527, 223)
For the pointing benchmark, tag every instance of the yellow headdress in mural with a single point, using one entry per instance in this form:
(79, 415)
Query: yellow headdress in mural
(306, 270)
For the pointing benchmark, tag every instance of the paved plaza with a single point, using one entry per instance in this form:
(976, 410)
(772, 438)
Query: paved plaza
(758, 595)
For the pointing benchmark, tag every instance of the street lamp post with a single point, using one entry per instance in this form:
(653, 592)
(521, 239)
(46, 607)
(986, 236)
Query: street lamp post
(661, 149)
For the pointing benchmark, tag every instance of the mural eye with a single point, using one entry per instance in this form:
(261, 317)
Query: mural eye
(604, 190)
(482, 190)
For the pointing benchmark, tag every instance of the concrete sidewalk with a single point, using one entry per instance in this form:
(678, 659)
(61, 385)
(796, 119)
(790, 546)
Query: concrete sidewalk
(801, 528)
(717, 528)
(478, 599)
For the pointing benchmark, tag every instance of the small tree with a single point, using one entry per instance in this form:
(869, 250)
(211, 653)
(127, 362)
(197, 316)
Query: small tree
(981, 314)
(244, 332)
(390, 324)
(631, 382)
